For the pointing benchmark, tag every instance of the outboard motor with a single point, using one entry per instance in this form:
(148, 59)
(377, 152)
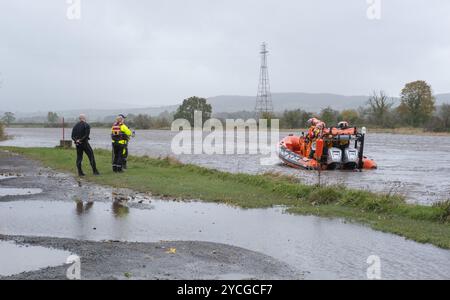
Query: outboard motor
(334, 158)
(350, 159)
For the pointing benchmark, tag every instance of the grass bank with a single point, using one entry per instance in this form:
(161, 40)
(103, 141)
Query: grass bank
(167, 177)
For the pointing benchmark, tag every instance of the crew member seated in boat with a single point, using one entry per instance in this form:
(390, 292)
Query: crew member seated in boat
(343, 125)
(343, 143)
(315, 128)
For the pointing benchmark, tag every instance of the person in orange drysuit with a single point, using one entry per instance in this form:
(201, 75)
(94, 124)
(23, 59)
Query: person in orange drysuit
(315, 128)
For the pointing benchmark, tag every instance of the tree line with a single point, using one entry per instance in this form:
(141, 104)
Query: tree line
(139, 121)
(144, 121)
(416, 109)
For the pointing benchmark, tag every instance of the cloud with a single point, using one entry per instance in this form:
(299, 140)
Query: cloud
(150, 53)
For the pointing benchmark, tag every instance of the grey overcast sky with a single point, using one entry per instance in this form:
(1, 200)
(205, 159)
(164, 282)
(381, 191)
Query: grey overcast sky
(151, 53)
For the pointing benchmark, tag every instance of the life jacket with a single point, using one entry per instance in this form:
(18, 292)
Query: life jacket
(311, 132)
(117, 134)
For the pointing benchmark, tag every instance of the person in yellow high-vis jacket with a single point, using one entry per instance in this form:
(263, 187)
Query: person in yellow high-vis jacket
(120, 135)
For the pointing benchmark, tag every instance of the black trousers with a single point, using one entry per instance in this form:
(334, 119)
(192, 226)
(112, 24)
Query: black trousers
(85, 148)
(118, 156)
(125, 156)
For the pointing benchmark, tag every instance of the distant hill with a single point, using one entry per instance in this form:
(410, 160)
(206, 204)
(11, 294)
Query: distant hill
(95, 114)
(288, 101)
(306, 101)
(442, 98)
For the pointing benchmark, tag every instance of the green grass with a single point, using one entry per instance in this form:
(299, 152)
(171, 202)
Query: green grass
(170, 178)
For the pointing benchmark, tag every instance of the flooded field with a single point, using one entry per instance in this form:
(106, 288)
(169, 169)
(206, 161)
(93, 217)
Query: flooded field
(415, 166)
(324, 248)
(319, 248)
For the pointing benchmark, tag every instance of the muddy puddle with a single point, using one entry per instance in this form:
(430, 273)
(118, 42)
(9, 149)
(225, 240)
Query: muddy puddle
(404, 161)
(325, 248)
(5, 177)
(16, 259)
(18, 191)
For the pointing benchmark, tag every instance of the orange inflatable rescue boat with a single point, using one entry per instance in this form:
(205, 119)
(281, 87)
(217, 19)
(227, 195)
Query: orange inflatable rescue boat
(335, 148)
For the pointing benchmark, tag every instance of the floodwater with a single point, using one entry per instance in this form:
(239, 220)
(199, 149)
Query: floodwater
(415, 166)
(327, 249)
(16, 259)
(18, 191)
(4, 177)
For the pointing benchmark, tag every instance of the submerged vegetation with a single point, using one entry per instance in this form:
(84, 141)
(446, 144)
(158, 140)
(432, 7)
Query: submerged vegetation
(444, 209)
(167, 177)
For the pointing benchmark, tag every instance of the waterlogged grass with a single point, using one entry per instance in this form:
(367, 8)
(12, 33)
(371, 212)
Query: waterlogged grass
(169, 178)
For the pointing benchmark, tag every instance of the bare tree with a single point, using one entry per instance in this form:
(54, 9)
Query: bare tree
(380, 105)
(444, 114)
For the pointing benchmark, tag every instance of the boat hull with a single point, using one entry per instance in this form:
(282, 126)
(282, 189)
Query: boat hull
(289, 151)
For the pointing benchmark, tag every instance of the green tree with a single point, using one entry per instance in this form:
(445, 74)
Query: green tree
(189, 106)
(350, 115)
(142, 121)
(294, 119)
(417, 103)
(162, 121)
(380, 105)
(329, 116)
(269, 116)
(52, 117)
(8, 118)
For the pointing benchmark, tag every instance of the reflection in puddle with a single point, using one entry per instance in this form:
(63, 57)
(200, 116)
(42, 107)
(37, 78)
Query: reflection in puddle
(15, 259)
(325, 248)
(83, 208)
(120, 210)
(18, 192)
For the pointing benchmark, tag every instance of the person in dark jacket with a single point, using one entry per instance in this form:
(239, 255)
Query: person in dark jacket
(80, 136)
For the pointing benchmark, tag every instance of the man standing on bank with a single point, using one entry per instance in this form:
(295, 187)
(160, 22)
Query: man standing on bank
(80, 136)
